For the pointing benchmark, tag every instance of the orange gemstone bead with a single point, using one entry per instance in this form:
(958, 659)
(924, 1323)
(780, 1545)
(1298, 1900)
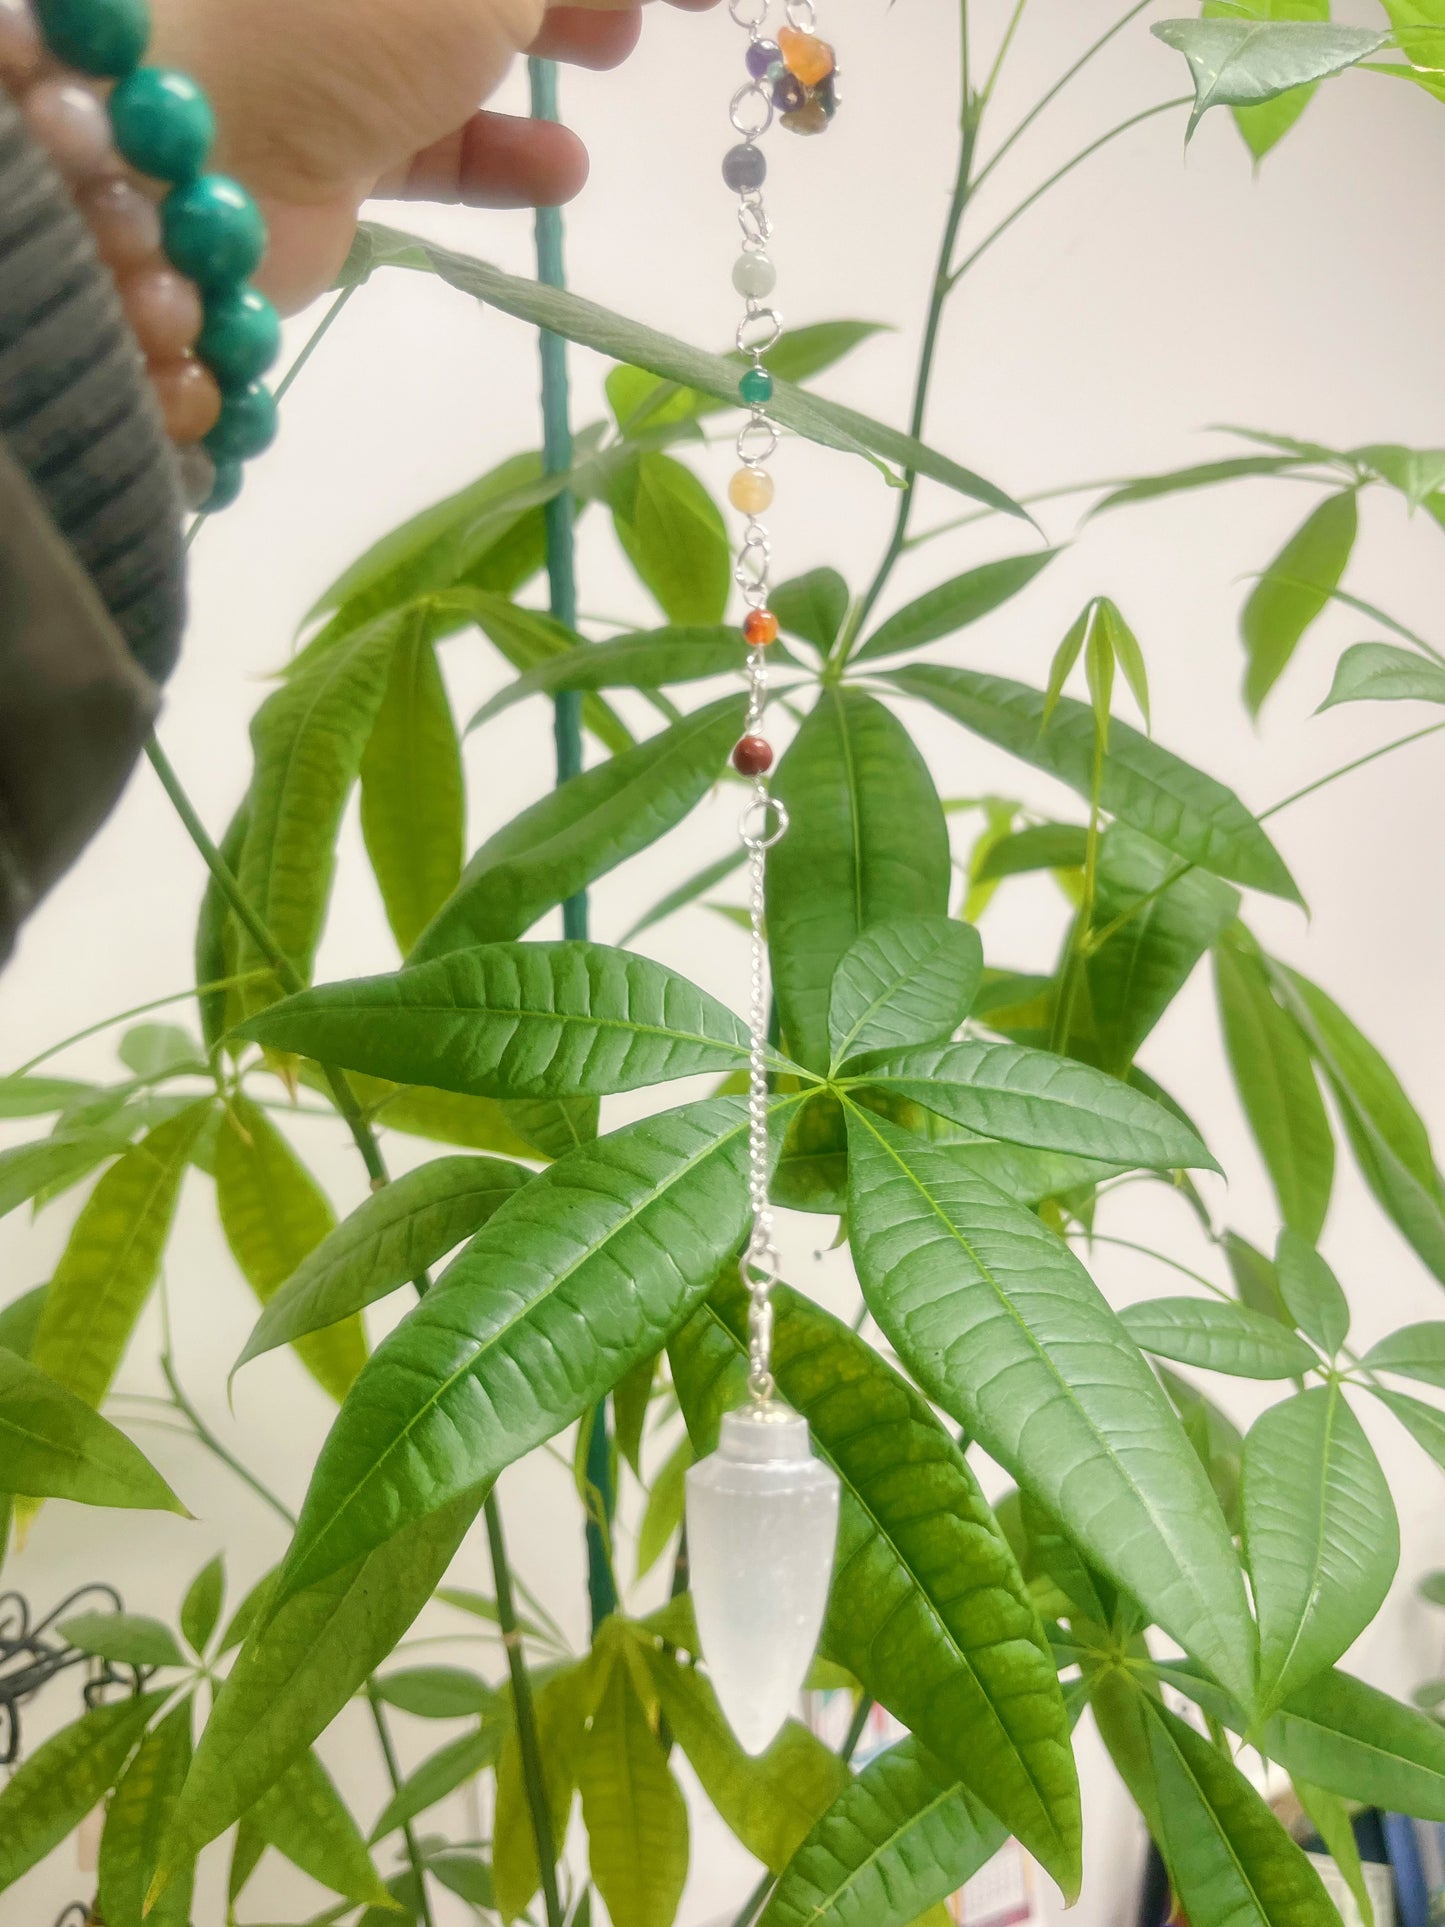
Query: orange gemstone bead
(804, 54)
(189, 398)
(760, 627)
(752, 756)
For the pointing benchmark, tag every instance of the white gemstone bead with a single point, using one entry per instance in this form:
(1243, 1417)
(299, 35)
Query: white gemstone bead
(762, 1530)
(754, 274)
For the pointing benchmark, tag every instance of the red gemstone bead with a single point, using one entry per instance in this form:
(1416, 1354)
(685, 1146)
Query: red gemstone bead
(760, 627)
(753, 756)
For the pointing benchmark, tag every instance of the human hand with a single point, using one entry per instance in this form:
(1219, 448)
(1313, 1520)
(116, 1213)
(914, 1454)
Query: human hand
(323, 103)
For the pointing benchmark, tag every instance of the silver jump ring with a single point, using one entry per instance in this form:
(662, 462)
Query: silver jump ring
(751, 343)
(758, 1287)
(760, 839)
(757, 441)
(751, 128)
(748, 17)
(803, 15)
(754, 222)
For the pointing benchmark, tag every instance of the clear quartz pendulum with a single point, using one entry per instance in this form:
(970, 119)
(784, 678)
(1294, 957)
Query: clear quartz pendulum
(762, 1511)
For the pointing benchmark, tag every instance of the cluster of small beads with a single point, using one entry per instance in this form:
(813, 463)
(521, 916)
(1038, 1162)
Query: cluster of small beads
(133, 142)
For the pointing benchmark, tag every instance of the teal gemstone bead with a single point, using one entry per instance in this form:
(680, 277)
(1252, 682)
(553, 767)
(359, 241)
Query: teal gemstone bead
(248, 425)
(756, 387)
(241, 338)
(230, 480)
(163, 124)
(103, 37)
(214, 232)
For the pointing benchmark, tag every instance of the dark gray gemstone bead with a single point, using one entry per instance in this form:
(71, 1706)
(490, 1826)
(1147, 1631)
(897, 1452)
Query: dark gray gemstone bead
(744, 168)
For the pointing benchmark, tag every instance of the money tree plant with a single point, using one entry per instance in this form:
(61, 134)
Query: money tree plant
(968, 1120)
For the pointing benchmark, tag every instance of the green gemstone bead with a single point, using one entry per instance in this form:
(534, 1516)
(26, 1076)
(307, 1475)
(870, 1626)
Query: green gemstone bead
(214, 232)
(230, 480)
(248, 425)
(163, 124)
(103, 37)
(756, 387)
(241, 338)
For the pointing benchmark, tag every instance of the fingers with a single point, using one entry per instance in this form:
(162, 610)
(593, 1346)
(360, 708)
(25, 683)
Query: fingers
(497, 161)
(589, 36)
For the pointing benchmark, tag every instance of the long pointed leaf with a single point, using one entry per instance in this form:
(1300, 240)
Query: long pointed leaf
(912, 981)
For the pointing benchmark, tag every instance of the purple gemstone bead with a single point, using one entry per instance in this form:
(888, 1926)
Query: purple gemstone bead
(789, 94)
(760, 56)
(744, 168)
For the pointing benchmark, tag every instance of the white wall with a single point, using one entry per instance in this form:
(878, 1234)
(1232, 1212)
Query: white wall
(1147, 298)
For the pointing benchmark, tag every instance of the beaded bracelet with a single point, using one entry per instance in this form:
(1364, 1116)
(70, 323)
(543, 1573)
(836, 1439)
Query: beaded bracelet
(182, 244)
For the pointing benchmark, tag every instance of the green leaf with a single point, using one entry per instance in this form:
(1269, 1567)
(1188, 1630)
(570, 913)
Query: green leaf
(868, 845)
(911, 981)
(386, 1242)
(1424, 1423)
(308, 739)
(631, 1404)
(161, 1050)
(1256, 1283)
(652, 659)
(31, 1169)
(1144, 785)
(1311, 1293)
(1099, 674)
(610, 334)
(1358, 1742)
(135, 1821)
(686, 893)
(217, 940)
(673, 534)
(1320, 1536)
(1002, 1326)
(20, 1320)
(437, 1692)
(637, 1831)
(1153, 920)
(813, 607)
(305, 1818)
(275, 1215)
(1036, 1098)
(527, 639)
(563, 1704)
(1270, 1062)
(113, 1258)
(1042, 846)
(1179, 481)
(771, 1803)
(1415, 1351)
(413, 792)
(504, 1355)
(64, 1779)
(1383, 672)
(38, 1096)
(1294, 589)
(1218, 1336)
(638, 398)
(1332, 1821)
(582, 830)
(515, 1020)
(903, 1836)
(954, 605)
(296, 1673)
(1387, 1135)
(1265, 125)
(465, 1874)
(1124, 645)
(201, 1607)
(1237, 63)
(439, 1775)
(1216, 1439)
(929, 1611)
(1418, 473)
(663, 1512)
(131, 1639)
(1419, 30)
(53, 1446)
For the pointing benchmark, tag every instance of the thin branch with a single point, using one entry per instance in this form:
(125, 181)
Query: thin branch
(1135, 120)
(393, 1773)
(218, 1451)
(140, 1010)
(1002, 54)
(1347, 769)
(525, 1714)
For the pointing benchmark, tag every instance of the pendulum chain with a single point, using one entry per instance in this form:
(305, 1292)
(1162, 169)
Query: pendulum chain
(794, 77)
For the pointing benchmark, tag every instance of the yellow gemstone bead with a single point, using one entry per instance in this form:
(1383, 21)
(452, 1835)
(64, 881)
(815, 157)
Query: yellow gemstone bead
(751, 490)
(806, 56)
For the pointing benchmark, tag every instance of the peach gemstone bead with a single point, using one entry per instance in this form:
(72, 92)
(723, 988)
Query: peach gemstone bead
(21, 48)
(806, 56)
(164, 311)
(126, 226)
(189, 398)
(71, 124)
(751, 490)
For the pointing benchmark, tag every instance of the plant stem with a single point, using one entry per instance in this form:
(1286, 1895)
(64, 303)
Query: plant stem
(561, 517)
(1059, 85)
(342, 1094)
(525, 1714)
(214, 1446)
(1348, 769)
(1087, 153)
(942, 286)
(1002, 54)
(393, 1773)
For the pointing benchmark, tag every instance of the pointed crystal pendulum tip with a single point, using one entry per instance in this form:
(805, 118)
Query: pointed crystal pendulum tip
(762, 1529)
